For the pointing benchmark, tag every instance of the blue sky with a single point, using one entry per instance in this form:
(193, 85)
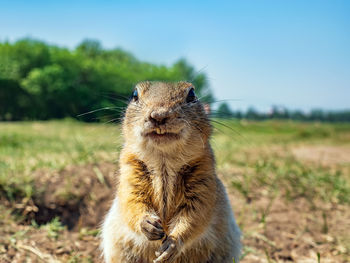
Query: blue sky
(256, 52)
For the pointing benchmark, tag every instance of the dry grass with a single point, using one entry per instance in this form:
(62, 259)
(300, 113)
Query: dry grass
(289, 184)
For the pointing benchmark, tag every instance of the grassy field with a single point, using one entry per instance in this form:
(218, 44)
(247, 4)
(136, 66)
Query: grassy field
(289, 184)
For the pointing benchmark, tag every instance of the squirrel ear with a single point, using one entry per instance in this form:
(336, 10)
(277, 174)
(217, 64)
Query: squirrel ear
(191, 96)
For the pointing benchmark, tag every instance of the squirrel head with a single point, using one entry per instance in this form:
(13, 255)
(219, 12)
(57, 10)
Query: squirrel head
(166, 117)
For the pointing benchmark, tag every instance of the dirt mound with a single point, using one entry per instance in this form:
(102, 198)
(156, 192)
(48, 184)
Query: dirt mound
(78, 195)
(24, 243)
(274, 229)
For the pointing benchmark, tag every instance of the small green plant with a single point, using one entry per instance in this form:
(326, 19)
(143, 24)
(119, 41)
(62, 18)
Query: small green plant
(325, 223)
(54, 228)
(18, 236)
(73, 259)
(77, 258)
(88, 232)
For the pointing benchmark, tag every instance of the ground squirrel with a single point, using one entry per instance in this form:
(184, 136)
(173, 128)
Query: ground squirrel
(170, 206)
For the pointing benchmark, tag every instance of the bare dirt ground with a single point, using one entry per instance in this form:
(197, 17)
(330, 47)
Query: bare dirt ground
(91, 188)
(281, 231)
(274, 229)
(325, 155)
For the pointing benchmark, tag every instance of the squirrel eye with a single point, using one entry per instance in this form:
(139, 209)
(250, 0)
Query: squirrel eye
(135, 95)
(191, 96)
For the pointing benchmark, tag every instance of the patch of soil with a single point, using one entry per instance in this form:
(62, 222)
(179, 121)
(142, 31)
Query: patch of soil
(277, 230)
(78, 195)
(321, 154)
(274, 229)
(23, 243)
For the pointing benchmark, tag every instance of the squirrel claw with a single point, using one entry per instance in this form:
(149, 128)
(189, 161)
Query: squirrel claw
(168, 251)
(152, 228)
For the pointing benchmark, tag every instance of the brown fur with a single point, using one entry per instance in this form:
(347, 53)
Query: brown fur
(170, 206)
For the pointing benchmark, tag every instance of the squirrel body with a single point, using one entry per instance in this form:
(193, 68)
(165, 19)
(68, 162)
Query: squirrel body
(170, 206)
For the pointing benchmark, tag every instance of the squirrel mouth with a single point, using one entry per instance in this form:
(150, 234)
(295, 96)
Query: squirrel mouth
(160, 135)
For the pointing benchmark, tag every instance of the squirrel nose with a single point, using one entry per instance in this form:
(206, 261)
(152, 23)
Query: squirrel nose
(159, 118)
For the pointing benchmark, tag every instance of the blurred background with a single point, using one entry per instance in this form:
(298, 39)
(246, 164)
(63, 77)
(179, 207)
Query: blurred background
(274, 73)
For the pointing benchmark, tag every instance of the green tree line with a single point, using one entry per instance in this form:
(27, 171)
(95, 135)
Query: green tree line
(42, 81)
(224, 111)
(39, 81)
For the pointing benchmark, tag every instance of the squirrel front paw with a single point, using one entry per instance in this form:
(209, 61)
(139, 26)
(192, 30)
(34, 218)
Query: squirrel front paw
(168, 251)
(151, 226)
